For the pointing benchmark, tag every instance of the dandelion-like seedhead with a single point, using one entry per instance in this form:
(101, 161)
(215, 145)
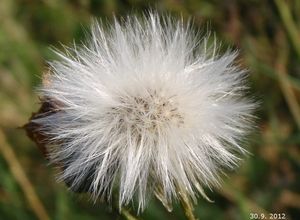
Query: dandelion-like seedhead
(145, 106)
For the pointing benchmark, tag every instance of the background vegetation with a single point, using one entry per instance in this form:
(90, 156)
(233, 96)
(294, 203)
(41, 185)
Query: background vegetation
(266, 32)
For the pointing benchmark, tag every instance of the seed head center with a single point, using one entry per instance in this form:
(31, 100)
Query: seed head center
(151, 112)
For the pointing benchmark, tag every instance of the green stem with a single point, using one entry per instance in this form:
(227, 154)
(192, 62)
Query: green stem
(289, 24)
(126, 214)
(289, 95)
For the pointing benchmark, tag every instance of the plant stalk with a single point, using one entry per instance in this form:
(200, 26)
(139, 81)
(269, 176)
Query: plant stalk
(187, 206)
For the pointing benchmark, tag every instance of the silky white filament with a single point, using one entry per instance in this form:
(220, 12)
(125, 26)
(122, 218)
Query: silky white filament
(145, 106)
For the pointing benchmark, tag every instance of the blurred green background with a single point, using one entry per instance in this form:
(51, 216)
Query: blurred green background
(267, 33)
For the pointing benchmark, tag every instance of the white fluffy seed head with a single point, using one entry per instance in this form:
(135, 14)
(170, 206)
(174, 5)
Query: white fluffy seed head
(145, 106)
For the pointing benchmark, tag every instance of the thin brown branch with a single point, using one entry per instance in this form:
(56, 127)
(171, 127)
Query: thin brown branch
(20, 176)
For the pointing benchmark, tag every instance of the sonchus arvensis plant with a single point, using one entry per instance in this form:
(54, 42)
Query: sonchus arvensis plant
(146, 106)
